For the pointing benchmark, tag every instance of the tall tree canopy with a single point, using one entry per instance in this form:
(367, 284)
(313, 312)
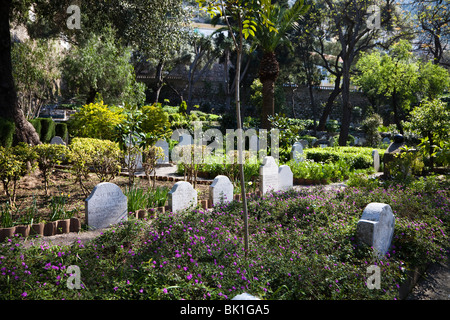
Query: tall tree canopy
(152, 26)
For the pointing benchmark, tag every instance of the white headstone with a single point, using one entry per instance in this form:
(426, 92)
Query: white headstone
(285, 178)
(376, 160)
(57, 140)
(253, 143)
(182, 196)
(165, 146)
(297, 152)
(221, 190)
(268, 175)
(105, 206)
(245, 296)
(185, 140)
(376, 227)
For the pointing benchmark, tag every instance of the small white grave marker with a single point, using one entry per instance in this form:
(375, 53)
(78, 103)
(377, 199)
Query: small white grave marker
(376, 227)
(221, 190)
(285, 178)
(268, 175)
(182, 196)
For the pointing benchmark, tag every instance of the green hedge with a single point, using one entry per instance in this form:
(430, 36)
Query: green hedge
(355, 157)
(7, 129)
(37, 125)
(45, 128)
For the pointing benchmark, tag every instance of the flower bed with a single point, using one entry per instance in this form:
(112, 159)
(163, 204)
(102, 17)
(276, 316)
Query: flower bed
(302, 246)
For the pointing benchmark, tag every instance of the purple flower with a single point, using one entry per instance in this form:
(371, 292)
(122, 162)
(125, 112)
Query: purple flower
(24, 294)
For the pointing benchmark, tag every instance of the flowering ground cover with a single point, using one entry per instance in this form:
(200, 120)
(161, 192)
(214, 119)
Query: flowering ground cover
(302, 246)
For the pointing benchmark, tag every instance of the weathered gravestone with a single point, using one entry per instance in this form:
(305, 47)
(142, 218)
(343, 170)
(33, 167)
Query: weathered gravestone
(390, 153)
(163, 144)
(285, 178)
(376, 227)
(182, 196)
(105, 206)
(57, 140)
(297, 152)
(376, 160)
(221, 190)
(386, 140)
(268, 175)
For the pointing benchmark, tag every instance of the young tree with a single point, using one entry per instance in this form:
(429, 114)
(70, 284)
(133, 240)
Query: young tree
(244, 15)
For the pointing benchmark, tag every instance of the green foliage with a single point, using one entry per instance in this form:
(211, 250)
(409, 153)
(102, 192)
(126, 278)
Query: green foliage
(155, 123)
(288, 133)
(7, 129)
(432, 121)
(96, 120)
(370, 126)
(35, 69)
(48, 129)
(48, 156)
(355, 158)
(14, 166)
(102, 156)
(100, 65)
(138, 198)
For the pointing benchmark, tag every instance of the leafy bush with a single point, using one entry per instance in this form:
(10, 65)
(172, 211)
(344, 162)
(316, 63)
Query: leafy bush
(96, 120)
(48, 156)
(13, 167)
(155, 123)
(103, 156)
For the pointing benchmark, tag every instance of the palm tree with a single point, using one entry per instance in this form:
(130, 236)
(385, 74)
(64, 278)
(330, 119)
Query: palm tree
(268, 40)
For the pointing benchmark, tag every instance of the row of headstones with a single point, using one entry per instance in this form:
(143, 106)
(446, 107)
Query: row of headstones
(107, 206)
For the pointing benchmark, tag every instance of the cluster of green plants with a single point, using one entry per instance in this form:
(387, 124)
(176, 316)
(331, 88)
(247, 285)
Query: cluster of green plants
(324, 172)
(302, 245)
(140, 198)
(355, 157)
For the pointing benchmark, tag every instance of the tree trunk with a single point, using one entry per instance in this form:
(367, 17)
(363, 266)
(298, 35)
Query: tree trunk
(9, 105)
(329, 106)
(268, 74)
(159, 80)
(346, 106)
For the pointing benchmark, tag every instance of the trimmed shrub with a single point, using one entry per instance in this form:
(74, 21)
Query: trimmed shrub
(37, 125)
(47, 129)
(7, 129)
